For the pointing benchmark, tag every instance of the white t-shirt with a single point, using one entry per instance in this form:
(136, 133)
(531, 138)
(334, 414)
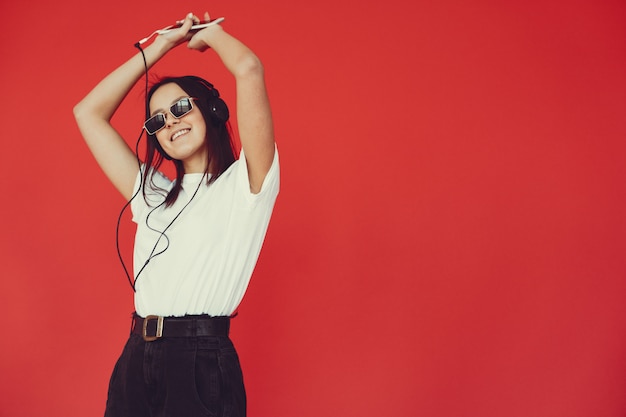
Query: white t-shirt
(209, 251)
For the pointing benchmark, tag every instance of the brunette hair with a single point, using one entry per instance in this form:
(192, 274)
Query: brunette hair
(220, 147)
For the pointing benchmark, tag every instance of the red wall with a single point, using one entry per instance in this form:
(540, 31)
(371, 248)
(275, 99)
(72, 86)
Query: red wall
(450, 235)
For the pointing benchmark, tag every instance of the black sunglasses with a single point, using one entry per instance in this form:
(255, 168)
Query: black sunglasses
(178, 110)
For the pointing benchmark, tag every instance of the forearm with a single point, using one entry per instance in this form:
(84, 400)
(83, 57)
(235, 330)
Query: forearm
(105, 98)
(238, 59)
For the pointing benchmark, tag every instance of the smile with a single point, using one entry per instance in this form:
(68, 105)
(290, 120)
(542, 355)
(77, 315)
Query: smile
(179, 134)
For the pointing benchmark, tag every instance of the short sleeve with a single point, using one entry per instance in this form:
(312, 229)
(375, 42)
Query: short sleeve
(271, 183)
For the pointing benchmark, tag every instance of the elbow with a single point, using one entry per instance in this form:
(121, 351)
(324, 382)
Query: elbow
(84, 112)
(249, 66)
(79, 111)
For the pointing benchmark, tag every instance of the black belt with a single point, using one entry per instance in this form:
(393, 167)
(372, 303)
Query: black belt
(155, 327)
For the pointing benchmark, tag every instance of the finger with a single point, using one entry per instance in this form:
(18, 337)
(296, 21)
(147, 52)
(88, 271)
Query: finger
(187, 22)
(207, 18)
(199, 48)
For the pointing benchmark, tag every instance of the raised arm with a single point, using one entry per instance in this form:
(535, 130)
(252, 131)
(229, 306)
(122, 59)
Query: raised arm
(254, 116)
(93, 113)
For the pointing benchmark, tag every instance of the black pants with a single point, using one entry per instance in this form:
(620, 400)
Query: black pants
(177, 377)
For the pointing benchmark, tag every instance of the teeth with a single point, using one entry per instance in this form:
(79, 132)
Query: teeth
(179, 133)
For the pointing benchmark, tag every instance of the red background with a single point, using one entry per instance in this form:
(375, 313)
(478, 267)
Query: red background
(450, 235)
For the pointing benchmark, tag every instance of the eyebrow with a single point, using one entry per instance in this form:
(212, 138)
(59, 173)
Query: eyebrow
(171, 104)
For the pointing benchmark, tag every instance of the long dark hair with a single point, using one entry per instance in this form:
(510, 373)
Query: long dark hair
(220, 147)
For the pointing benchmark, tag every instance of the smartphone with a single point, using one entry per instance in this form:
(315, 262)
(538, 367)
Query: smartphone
(203, 24)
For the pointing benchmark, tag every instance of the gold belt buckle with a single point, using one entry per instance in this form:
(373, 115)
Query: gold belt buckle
(159, 329)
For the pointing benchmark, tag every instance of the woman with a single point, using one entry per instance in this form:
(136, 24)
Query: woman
(198, 236)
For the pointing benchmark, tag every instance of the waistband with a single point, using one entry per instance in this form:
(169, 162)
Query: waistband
(156, 327)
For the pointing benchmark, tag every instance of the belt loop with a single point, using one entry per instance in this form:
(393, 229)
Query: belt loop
(133, 323)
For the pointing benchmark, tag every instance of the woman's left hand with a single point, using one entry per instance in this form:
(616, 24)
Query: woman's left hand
(199, 40)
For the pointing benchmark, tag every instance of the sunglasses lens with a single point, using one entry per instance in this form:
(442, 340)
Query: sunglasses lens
(155, 123)
(181, 107)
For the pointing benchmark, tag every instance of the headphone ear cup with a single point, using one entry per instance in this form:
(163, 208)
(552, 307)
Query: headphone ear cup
(219, 109)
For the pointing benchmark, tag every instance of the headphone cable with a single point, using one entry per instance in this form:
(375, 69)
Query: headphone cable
(119, 218)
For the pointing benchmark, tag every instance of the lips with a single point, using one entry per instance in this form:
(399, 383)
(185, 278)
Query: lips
(179, 133)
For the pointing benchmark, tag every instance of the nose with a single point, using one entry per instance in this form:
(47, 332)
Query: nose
(170, 119)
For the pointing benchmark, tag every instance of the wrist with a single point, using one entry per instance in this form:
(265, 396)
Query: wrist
(162, 45)
(210, 34)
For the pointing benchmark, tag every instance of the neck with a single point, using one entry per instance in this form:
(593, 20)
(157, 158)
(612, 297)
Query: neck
(196, 167)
